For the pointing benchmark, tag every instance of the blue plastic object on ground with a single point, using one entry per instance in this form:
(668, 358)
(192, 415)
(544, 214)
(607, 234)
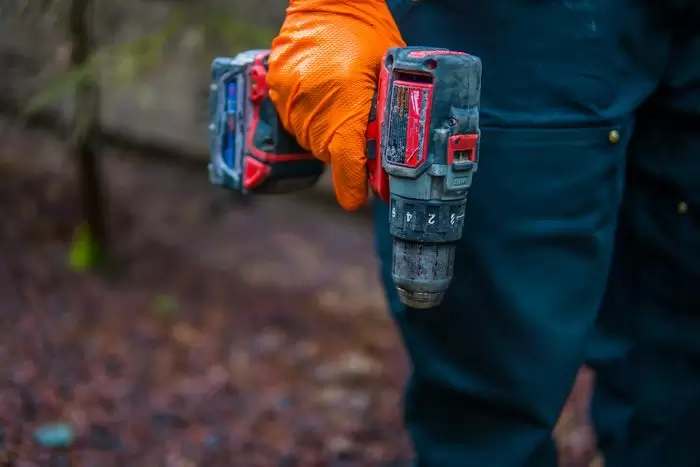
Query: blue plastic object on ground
(55, 436)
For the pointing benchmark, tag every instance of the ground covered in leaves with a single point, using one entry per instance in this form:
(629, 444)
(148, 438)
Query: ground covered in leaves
(227, 333)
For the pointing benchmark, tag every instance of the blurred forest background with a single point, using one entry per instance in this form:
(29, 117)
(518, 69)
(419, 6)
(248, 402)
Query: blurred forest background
(149, 319)
(150, 59)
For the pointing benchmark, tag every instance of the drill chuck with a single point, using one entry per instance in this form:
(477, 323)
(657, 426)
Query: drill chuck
(422, 272)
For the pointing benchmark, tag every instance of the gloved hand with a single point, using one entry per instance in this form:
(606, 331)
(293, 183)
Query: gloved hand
(323, 71)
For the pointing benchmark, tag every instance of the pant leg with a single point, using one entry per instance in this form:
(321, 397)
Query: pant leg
(647, 404)
(492, 365)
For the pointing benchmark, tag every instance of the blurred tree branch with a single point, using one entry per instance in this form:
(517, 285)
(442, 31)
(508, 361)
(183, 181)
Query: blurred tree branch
(121, 64)
(92, 234)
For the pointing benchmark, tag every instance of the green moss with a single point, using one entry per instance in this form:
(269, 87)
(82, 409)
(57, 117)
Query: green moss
(85, 254)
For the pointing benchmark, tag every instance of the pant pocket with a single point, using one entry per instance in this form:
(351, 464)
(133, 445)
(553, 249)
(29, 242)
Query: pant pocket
(531, 267)
(551, 177)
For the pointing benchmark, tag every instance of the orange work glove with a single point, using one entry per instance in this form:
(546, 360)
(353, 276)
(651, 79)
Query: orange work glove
(323, 71)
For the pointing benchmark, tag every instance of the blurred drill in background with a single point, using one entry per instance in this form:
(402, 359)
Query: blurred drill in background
(581, 240)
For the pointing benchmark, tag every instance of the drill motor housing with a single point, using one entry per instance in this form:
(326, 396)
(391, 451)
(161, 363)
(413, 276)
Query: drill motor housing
(422, 151)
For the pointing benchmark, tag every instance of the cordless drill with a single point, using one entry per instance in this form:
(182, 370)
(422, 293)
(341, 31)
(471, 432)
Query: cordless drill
(422, 151)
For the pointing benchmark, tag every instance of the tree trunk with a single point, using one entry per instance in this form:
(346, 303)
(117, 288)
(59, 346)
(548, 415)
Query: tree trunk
(85, 131)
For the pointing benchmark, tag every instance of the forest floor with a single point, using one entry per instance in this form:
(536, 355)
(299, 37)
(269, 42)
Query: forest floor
(229, 333)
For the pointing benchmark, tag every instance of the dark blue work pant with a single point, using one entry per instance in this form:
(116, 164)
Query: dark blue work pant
(581, 241)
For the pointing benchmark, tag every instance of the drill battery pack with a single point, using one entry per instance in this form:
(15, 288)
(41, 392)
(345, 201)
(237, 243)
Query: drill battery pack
(249, 149)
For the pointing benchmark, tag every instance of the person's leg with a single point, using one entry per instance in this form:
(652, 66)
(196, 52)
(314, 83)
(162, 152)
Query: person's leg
(492, 366)
(647, 403)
